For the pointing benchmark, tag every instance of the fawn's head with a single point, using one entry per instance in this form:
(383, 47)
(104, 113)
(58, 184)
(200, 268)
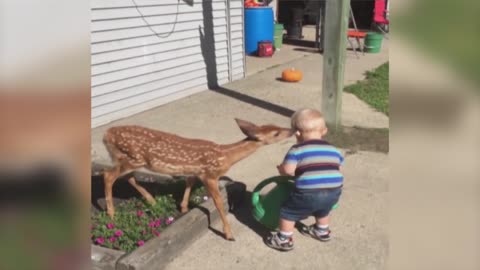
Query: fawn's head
(267, 134)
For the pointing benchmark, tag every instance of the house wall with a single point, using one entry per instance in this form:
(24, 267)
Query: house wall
(274, 5)
(145, 53)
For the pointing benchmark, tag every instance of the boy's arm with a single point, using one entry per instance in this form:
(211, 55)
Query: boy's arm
(287, 169)
(289, 164)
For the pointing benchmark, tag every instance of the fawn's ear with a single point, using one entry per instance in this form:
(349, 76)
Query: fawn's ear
(247, 128)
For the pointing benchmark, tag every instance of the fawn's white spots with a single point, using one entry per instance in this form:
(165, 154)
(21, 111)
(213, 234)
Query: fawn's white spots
(167, 152)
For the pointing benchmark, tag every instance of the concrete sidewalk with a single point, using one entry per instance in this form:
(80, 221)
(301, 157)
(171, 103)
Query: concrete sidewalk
(360, 223)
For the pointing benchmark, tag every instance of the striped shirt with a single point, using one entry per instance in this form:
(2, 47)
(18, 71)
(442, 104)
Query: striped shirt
(318, 165)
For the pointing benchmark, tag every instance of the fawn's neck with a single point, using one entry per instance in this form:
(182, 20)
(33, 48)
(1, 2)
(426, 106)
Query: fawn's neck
(240, 150)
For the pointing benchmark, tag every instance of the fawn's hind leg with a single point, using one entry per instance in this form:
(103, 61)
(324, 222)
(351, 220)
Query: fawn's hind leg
(186, 195)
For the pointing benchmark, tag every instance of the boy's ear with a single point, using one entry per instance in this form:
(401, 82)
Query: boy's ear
(249, 129)
(324, 132)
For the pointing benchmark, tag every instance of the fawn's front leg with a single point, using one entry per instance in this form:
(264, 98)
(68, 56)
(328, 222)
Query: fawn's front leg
(212, 187)
(142, 191)
(109, 178)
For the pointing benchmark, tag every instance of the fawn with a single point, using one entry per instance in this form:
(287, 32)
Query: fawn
(135, 147)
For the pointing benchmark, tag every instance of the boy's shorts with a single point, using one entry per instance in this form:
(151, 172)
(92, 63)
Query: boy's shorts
(302, 204)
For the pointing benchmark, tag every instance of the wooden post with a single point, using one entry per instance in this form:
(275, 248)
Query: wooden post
(335, 46)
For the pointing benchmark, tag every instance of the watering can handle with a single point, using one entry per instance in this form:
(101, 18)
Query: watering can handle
(256, 191)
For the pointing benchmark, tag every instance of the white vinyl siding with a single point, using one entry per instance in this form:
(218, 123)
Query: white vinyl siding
(137, 66)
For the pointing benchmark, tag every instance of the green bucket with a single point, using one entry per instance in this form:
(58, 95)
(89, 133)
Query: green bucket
(278, 35)
(373, 42)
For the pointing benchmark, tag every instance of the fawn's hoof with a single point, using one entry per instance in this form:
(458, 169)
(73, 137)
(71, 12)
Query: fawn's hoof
(230, 238)
(184, 210)
(152, 201)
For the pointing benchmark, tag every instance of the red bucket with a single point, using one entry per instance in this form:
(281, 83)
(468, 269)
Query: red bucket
(265, 48)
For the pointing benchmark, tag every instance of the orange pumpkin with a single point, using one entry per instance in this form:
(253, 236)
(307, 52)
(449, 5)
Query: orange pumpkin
(292, 75)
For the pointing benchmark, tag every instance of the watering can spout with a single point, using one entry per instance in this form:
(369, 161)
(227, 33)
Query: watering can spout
(257, 205)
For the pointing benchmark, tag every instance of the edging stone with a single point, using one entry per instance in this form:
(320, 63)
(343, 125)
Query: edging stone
(104, 258)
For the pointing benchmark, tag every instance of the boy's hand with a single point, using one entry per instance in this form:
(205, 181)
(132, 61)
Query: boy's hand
(279, 168)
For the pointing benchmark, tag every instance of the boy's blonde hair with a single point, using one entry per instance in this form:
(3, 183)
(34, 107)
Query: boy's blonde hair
(308, 120)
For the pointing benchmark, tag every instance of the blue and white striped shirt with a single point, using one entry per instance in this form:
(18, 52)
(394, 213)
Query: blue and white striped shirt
(318, 165)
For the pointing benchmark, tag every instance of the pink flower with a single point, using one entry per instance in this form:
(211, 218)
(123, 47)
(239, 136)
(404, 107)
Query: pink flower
(158, 222)
(112, 239)
(100, 240)
(118, 233)
(169, 220)
(144, 232)
(139, 213)
(110, 226)
(140, 243)
(156, 233)
(151, 224)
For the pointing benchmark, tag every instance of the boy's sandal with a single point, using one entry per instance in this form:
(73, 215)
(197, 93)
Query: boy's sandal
(310, 231)
(274, 242)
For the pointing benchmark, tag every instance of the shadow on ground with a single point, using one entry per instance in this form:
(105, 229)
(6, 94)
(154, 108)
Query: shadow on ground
(244, 215)
(356, 139)
(300, 42)
(254, 101)
(308, 50)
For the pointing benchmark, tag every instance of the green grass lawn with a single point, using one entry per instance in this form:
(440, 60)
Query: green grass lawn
(374, 89)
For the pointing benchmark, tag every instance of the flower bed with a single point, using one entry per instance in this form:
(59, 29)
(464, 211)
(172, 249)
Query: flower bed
(158, 251)
(136, 221)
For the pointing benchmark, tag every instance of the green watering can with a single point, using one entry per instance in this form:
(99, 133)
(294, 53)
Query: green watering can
(266, 208)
